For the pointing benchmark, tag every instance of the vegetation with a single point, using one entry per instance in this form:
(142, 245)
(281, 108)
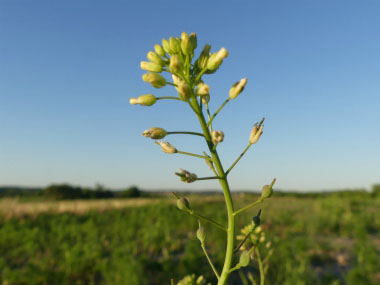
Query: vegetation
(328, 239)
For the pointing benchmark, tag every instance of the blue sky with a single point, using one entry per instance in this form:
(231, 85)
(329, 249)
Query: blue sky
(68, 69)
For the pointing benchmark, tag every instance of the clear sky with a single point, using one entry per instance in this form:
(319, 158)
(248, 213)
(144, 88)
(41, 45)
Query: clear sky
(68, 69)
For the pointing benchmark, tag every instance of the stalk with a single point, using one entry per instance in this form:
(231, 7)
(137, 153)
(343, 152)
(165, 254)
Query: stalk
(227, 196)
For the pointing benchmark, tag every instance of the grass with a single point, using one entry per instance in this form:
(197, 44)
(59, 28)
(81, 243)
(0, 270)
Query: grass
(331, 239)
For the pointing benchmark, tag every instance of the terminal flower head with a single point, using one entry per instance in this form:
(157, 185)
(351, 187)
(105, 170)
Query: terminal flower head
(237, 88)
(155, 58)
(256, 133)
(159, 50)
(175, 64)
(144, 100)
(186, 176)
(216, 59)
(167, 147)
(155, 79)
(155, 133)
(175, 45)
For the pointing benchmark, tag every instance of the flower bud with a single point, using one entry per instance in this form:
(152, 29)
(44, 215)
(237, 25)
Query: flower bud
(203, 58)
(205, 99)
(217, 137)
(175, 46)
(144, 100)
(216, 59)
(166, 45)
(167, 147)
(267, 190)
(151, 66)
(183, 204)
(193, 41)
(268, 244)
(202, 89)
(159, 50)
(155, 79)
(185, 44)
(183, 90)
(186, 176)
(201, 235)
(154, 57)
(175, 65)
(244, 259)
(237, 88)
(155, 133)
(256, 133)
(262, 238)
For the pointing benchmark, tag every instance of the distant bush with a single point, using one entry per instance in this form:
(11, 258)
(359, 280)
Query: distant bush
(131, 192)
(65, 191)
(376, 190)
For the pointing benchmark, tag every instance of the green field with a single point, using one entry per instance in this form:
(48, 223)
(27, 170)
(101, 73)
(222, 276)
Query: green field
(320, 239)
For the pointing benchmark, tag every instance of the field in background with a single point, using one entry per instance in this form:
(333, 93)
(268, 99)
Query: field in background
(321, 239)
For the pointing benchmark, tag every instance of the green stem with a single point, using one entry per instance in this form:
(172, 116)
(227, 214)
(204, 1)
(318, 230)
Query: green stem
(244, 240)
(187, 133)
(193, 154)
(209, 260)
(168, 98)
(260, 200)
(227, 196)
(200, 75)
(208, 178)
(261, 268)
(237, 160)
(193, 213)
(217, 111)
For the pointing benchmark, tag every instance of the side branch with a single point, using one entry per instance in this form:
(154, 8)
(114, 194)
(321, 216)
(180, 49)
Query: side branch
(186, 133)
(258, 201)
(237, 160)
(217, 111)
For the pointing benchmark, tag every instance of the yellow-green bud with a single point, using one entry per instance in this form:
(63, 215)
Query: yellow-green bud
(185, 44)
(154, 57)
(175, 45)
(193, 41)
(256, 133)
(155, 79)
(202, 89)
(166, 45)
(217, 136)
(203, 58)
(155, 133)
(244, 258)
(175, 65)
(267, 190)
(144, 100)
(268, 244)
(201, 235)
(216, 59)
(167, 147)
(186, 176)
(262, 238)
(183, 90)
(159, 50)
(151, 66)
(237, 88)
(183, 204)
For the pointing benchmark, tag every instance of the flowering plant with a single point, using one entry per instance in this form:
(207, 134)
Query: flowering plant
(175, 57)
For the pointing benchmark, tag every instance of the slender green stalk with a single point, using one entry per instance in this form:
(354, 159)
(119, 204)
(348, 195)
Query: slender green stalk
(227, 195)
(238, 266)
(168, 98)
(260, 200)
(209, 260)
(186, 133)
(217, 111)
(200, 75)
(193, 213)
(193, 154)
(261, 268)
(244, 240)
(208, 178)
(237, 160)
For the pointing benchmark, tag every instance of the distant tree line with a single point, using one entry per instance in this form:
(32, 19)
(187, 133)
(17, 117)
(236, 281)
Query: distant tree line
(67, 192)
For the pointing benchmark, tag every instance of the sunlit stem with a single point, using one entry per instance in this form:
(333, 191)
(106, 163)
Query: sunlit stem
(237, 160)
(261, 267)
(217, 111)
(194, 154)
(168, 98)
(208, 116)
(238, 266)
(170, 83)
(200, 75)
(195, 214)
(209, 260)
(186, 133)
(208, 178)
(258, 201)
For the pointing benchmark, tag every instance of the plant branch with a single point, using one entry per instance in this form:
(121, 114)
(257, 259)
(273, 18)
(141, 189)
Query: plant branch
(193, 154)
(217, 111)
(237, 160)
(209, 260)
(168, 98)
(187, 133)
(261, 268)
(258, 201)
(193, 213)
(208, 178)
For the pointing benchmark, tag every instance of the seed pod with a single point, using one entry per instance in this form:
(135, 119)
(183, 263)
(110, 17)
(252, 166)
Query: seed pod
(183, 204)
(201, 235)
(244, 258)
